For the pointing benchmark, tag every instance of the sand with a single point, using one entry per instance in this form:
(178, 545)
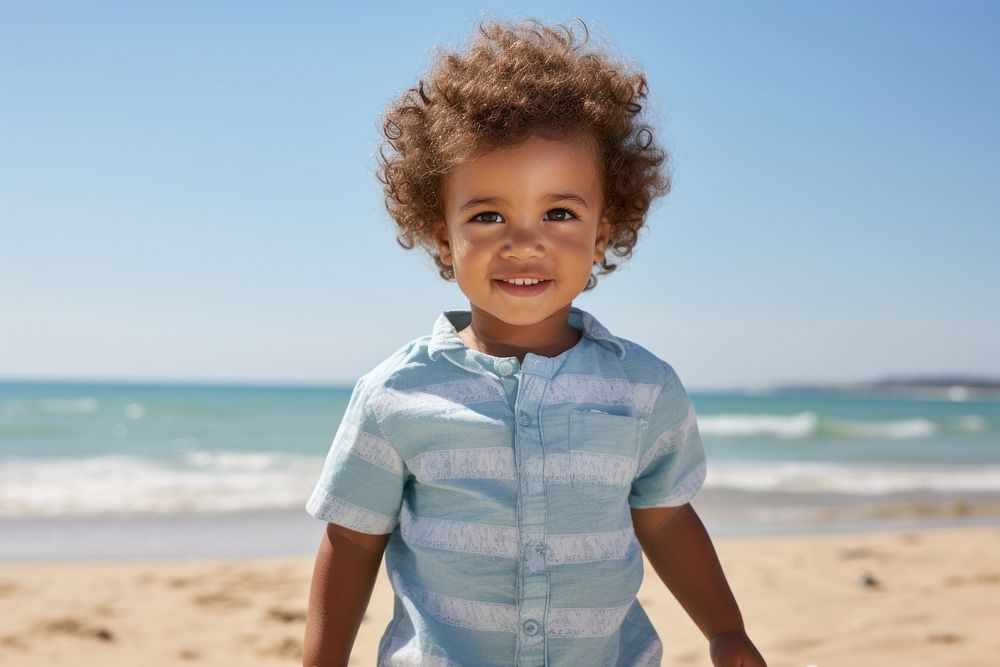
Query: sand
(929, 597)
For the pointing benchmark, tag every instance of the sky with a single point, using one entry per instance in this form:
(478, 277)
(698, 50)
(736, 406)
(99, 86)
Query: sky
(187, 190)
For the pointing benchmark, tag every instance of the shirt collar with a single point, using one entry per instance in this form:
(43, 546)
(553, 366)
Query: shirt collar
(444, 335)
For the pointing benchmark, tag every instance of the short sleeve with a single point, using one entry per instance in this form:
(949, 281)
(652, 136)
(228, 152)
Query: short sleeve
(361, 486)
(671, 466)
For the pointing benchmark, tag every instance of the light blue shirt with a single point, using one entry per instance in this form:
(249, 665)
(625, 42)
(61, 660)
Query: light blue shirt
(507, 488)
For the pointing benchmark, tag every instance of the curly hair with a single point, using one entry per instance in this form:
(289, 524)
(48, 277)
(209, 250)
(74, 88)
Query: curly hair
(515, 80)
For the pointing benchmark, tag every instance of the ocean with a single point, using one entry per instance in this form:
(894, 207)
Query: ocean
(146, 470)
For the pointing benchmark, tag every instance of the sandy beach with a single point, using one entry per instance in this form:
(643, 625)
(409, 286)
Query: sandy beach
(927, 597)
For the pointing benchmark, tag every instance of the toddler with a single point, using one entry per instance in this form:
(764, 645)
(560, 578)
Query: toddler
(514, 465)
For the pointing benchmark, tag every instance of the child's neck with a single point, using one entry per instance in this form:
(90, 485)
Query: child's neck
(548, 338)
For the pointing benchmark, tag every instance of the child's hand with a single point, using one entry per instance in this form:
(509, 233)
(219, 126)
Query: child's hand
(734, 649)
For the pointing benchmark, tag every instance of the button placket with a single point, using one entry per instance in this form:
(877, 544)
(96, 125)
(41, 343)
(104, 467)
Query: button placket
(532, 574)
(532, 633)
(534, 556)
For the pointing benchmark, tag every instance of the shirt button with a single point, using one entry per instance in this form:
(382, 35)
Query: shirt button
(531, 627)
(523, 419)
(504, 367)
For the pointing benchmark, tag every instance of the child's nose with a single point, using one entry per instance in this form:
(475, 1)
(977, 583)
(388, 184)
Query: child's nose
(524, 241)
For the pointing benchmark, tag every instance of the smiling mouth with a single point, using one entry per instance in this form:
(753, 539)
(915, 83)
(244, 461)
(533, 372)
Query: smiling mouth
(523, 286)
(522, 281)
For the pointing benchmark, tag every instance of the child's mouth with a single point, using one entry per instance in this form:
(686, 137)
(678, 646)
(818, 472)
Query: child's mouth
(523, 290)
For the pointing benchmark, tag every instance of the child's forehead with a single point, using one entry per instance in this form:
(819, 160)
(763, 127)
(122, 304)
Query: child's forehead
(536, 169)
(577, 147)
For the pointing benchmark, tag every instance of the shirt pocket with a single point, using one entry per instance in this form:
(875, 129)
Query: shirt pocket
(602, 453)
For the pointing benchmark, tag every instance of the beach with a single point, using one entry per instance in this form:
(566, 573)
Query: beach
(165, 525)
(899, 597)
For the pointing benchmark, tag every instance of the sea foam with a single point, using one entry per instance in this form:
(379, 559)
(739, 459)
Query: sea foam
(112, 484)
(851, 479)
(808, 425)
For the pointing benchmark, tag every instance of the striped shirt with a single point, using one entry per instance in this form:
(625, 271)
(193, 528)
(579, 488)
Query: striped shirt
(506, 487)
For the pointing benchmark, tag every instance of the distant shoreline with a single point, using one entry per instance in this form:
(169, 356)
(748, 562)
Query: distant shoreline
(950, 388)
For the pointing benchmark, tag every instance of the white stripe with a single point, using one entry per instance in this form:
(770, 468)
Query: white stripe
(685, 489)
(557, 468)
(670, 440)
(373, 449)
(336, 510)
(491, 616)
(645, 397)
(591, 547)
(534, 467)
(447, 399)
(600, 468)
(589, 467)
(585, 621)
(476, 463)
(570, 388)
(408, 654)
(382, 404)
(465, 392)
(652, 655)
(461, 536)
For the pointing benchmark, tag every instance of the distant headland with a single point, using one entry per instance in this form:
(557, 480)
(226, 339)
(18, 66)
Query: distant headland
(952, 387)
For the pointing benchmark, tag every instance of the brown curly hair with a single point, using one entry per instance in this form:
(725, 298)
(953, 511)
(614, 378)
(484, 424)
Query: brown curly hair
(515, 80)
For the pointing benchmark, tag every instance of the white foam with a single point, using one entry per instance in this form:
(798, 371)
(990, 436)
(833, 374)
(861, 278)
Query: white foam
(796, 426)
(904, 429)
(219, 482)
(240, 461)
(806, 425)
(819, 477)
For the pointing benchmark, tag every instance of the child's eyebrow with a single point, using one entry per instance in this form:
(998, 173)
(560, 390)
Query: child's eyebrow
(500, 200)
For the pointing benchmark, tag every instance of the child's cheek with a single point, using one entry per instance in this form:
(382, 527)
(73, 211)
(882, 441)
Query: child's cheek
(469, 248)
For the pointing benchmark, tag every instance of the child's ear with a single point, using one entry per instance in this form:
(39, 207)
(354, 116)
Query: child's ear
(442, 242)
(603, 235)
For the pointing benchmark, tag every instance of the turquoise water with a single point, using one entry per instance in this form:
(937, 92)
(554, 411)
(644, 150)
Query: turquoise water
(104, 449)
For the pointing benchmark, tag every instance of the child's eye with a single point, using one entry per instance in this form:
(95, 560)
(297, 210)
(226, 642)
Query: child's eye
(562, 214)
(489, 216)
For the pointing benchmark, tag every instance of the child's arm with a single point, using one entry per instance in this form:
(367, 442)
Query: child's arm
(680, 550)
(346, 568)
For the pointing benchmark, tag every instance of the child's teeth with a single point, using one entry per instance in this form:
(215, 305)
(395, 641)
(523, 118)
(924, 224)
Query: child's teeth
(523, 281)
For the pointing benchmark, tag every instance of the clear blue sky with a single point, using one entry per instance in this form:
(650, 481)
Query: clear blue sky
(187, 189)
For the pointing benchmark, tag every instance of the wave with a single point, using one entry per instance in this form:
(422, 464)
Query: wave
(809, 425)
(874, 479)
(796, 427)
(201, 483)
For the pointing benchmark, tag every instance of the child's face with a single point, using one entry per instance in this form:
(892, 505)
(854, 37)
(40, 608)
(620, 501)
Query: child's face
(532, 210)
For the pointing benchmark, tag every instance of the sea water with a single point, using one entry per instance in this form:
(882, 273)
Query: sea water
(126, 454)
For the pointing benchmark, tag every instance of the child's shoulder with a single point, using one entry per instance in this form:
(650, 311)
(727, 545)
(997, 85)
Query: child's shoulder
(639, 365)
(654, 380)
(407, 362)
(642, 366)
